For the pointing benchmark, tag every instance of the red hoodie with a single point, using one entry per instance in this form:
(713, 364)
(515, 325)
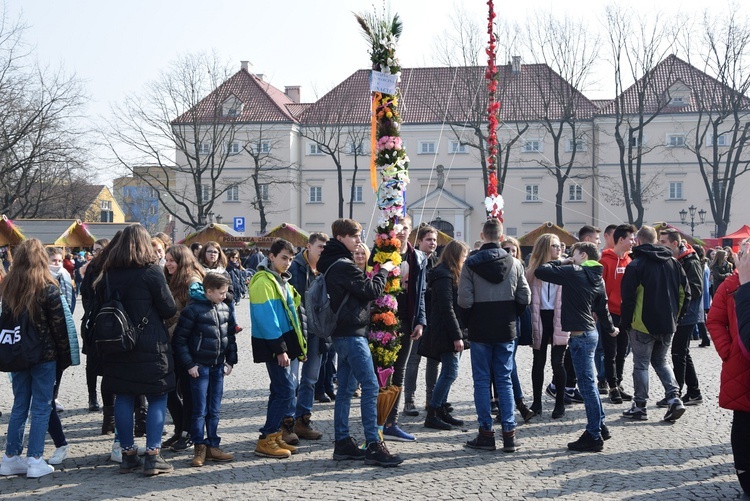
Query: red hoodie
(614, 270)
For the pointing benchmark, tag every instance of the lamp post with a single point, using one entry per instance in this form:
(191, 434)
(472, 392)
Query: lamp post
(691, 210)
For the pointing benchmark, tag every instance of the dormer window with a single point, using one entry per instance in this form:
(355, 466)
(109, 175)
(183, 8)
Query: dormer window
(232, 107)
(677, 101)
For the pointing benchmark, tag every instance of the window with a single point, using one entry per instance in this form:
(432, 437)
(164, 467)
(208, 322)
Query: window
(676, 140)
(575, 193)
(205, 192)
(675, 190)
(575, 145)
(152, 210)
(153, 193)
(357, 194)
(457, 147)
(721, 140)
(355, 149)
(263, 188)
(105, 204)
(233, 148)
(314, 149)
(427, 147)
(532, 193)
(265, 147)
(532, 146)
(233, 111)
(204, 148)
(677, 101)
(635, 142)
(511, 232)
(233, 193)
(316, 195)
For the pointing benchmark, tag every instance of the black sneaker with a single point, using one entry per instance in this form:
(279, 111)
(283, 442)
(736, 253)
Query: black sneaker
(614, 396)
(347, 448)
(154, 464)
(574, 395)
(377, 455)
(322, 398)
(587, 443)
(636, 412)
(625, 395)
(692, 400)
(606, 435)
(603, 387)
(182, 443)
(410, 409)
(663, 403)
(675, 412)
(167, 444)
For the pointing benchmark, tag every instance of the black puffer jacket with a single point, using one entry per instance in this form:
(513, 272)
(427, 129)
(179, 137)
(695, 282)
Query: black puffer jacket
(205, 333)
(444, 324)
(354, 318)
(149, 368)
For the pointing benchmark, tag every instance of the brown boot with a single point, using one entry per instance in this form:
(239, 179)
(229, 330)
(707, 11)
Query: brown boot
(216, 454)
(285, 446)
(304, 429)
(287, 431)
(200, 455)
(268, 447)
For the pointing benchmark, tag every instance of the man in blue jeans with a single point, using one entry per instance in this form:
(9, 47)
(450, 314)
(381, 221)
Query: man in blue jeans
(351, 292)
(583, 294)
(492, 291)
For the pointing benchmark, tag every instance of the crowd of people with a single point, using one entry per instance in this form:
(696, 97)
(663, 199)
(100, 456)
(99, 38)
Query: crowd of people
(646, 293)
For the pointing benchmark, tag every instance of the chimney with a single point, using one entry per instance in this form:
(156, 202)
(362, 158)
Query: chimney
(292, 91)
(516, 65)
(261, 77)
(245, 66)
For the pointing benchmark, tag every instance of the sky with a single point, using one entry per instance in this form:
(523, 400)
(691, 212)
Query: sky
(117, 47)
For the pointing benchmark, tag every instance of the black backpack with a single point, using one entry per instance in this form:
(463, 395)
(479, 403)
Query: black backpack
(20, 344)
(113, 331)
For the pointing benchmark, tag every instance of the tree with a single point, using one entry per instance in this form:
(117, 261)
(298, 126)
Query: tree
(356, 139)
(184, 126)
(723, 125)
(567, 51)
(41, 155)
(637, 47)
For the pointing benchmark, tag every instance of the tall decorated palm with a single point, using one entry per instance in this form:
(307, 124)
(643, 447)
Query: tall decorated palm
(389, 176)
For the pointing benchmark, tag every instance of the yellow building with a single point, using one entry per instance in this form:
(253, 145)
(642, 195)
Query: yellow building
(102, 208)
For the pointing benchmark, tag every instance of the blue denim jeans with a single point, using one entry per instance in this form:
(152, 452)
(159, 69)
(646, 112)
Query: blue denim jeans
(496, 359)
(582, 352)
(601, 374)
(309, 377)
(327, 371)
(355, 365)
(207, 390)
(32, 388)
(448, 374)
(651, 349)
(157, 410)
(281, 397)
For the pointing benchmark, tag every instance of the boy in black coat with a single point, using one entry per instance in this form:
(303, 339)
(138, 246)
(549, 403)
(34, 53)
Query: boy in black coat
(205, 344)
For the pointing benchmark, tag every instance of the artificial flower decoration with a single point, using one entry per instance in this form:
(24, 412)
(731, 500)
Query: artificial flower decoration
(494, 202)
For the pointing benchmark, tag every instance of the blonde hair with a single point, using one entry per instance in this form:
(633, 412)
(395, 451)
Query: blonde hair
(541, 252)
(22, 289)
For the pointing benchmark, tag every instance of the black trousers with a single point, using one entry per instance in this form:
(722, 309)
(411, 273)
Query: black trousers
(741, 448)
(540, 359)
(615, 349)
(684, 370)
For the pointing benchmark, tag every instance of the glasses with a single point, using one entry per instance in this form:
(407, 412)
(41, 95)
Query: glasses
(212, 252)
(556, 246)
(96, 251)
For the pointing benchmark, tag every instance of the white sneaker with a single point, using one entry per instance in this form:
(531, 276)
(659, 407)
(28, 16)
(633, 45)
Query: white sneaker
(38, 468)
(15, 465)
(116, 455)
(59, 407)
(59, 455)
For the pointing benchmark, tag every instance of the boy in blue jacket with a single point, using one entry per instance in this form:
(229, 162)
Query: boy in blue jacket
(279, 342)
(204, 343)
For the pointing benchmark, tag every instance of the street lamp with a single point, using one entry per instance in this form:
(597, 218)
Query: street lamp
(219, 218)
(691, 210)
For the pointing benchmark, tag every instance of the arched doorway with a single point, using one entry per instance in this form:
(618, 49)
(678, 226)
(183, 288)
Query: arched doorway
(443, 226)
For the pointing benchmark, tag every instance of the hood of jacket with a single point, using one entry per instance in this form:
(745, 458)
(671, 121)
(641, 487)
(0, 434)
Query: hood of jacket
(594, 270)
(198, 293)
(687, 252)
(333, 251)
(491, 263)
(652, 252)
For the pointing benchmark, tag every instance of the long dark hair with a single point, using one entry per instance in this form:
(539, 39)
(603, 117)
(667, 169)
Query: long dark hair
(451, 257)
(132, 250)
(187, 268)
(27, 279)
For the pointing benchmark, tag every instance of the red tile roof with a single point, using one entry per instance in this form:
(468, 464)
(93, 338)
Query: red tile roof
(705, 91)
(262, 102)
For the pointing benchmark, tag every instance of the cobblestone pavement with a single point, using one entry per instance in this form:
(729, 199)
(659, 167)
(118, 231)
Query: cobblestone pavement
(690, 459)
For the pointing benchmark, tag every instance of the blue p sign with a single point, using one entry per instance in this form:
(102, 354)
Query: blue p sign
(239, 224)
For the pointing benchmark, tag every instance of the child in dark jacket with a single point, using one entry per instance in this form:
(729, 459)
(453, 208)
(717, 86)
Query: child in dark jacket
(204, 342)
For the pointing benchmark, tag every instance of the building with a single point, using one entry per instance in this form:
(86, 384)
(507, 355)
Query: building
(140, 201)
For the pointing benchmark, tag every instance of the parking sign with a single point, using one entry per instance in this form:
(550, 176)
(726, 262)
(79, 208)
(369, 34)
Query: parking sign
(239, 224)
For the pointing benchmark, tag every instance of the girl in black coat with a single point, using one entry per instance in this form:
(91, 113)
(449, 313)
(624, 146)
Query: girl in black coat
(444, 340)
(131, 271)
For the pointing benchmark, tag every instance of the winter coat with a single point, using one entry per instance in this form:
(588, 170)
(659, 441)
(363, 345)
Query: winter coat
(655, 291)
(559, 336)
(70, 324)
(345, 277)
(583, 294)
(205, 333)
(411, 302)
(492, 293)
(719, 273)
(706, 287)
(614, 270)
(693, 267)
(237, 276)
(149, 368)
(724, 323)
(274, 317)
(445, 324)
